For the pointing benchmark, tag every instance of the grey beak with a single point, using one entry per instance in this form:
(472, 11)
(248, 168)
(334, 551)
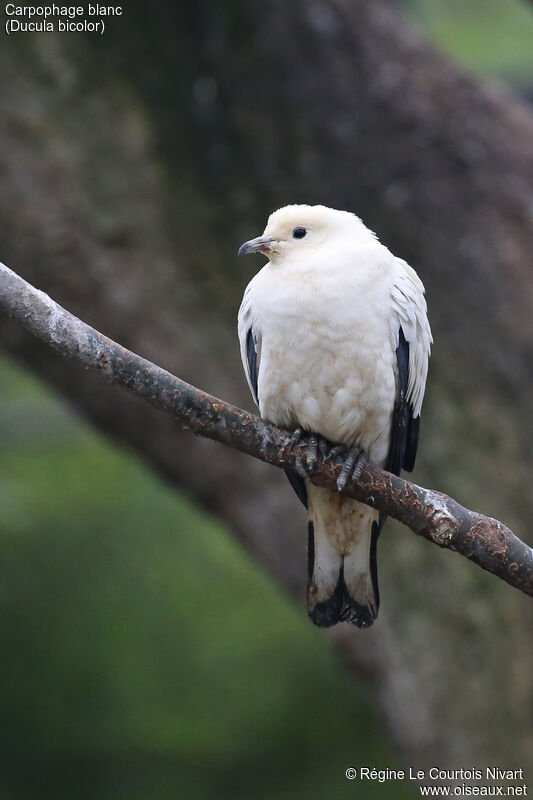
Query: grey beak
(260, 244)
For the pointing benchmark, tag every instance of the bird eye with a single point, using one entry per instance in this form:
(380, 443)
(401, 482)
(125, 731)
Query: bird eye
(299, 233)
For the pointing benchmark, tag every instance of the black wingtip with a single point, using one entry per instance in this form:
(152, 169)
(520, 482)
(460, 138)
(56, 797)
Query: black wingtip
(404, 427)
(251, 354)
(412, 443)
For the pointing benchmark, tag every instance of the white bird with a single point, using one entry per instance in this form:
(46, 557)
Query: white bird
(335, 342)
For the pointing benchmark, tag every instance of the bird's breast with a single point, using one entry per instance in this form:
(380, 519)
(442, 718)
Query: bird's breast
(327, 363)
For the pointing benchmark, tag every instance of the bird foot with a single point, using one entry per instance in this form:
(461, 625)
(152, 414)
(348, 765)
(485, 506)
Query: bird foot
(352, 459)
(317, 446)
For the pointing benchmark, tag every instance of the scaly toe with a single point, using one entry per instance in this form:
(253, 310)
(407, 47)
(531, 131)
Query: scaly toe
(358, 468)
(317, 446)
(299, 466)
(296, 436)
(335, 451)
(352, 468)
(344, 474)
(312, 452)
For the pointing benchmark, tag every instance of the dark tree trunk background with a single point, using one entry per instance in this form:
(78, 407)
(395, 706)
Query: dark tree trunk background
(134, 164)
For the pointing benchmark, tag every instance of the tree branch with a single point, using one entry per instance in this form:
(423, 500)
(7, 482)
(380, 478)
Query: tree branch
(428, 513)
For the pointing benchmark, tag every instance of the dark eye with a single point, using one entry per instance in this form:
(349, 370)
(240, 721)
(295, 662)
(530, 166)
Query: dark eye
(299, 233)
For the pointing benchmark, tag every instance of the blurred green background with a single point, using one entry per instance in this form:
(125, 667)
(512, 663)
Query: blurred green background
(144, 654)
(492, 36)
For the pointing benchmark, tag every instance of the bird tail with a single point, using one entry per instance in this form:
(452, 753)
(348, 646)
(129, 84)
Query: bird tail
(342, 570)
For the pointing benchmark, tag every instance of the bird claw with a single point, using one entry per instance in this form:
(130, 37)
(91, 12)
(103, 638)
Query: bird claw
(352, 466)
(335, 451)
(353, 458)
(323, 447)
(316, 444)
(312, 452)
(297, 436)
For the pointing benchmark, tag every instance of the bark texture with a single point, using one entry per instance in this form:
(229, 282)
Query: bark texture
(145, 157)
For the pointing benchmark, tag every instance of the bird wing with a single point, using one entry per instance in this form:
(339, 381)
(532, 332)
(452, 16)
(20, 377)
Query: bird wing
(411, 337)
(250, 341)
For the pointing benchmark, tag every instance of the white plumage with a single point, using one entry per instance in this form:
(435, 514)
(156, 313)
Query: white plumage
(319, 328)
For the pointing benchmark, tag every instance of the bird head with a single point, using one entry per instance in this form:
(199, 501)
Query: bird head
(296, 229)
